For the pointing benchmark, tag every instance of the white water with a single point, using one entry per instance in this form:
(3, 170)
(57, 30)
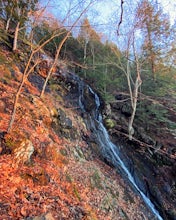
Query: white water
(109, 150)
(118, 161)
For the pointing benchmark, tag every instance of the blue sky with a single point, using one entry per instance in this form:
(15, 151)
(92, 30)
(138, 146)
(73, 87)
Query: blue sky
(105, 14)
(169, 6)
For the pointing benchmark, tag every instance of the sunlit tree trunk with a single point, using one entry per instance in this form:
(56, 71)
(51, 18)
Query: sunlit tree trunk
(28, 69)
(134, 98)
(16, 36)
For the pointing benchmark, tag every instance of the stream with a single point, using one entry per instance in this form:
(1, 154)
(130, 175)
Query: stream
(89, 103)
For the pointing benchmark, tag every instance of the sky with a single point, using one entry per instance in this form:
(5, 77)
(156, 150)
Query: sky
(104, 16)
(104, 8)
(169, 6)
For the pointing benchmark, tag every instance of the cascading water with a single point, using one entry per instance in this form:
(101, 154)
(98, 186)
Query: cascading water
(108, 149)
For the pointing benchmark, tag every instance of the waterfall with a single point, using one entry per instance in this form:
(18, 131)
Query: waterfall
(108, 149)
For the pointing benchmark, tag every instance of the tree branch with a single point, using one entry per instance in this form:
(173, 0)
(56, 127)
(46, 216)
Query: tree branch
(121, 17)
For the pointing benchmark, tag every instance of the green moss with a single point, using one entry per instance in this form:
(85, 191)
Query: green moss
(68, 178)
(63, 152)
(106, 203)
(96, 181)
(10, 143)
(109, 123)
(2, 59)
(76, 193)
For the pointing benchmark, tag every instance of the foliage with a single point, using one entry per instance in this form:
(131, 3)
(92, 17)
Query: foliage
(155, 28)
(16, 11)
(154, 115)
(14, 18)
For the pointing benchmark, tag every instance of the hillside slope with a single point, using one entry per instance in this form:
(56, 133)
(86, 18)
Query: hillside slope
(48, 168)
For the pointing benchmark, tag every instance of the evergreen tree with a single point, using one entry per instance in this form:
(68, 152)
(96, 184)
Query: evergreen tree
(155, 27)
(14, 15)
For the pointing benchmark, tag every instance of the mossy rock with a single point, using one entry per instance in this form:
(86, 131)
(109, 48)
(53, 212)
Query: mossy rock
(109, 123)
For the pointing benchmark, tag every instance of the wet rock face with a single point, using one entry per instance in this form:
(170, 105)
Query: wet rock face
(107, 110)
(37, 81)
(64, 121)
(3, 148)
(63, 125)
(142, 165)
(89, 100)
(122, 105)
(144, 137)
(152, 171)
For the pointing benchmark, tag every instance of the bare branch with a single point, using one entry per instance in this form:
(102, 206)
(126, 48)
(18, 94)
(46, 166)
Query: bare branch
(60, 47)
(121, 17)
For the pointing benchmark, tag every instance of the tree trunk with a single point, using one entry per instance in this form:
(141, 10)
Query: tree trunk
(7, 24)
(135, 99)
(54, 63)
(8, 20)
(85, 56)
(16, 36)
(93, 57)
(135, 96)
(25, 76)
(26, 73)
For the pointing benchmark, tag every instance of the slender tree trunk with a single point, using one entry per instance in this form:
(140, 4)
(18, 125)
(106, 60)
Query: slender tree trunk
(7, 24)
(105, 77)
(93, 57)
(153, 67)
(16, 36)
(8, 20)
(135, 99)
(26, 73)
(85, 56)
(129, 82)
(25, 76)
(54, 63)
(135, 96)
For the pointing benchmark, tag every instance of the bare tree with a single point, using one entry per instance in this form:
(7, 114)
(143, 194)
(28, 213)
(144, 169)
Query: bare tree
(134, 96)
(134, 82)
(30, 65)
(60, 47)
(28, 69)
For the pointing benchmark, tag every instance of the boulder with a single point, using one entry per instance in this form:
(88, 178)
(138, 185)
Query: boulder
(23, 153)
(89, 99)
(63, 125)
(107, 110)
(64, 121)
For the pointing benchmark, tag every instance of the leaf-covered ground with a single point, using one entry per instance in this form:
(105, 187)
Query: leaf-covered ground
(63, 179)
